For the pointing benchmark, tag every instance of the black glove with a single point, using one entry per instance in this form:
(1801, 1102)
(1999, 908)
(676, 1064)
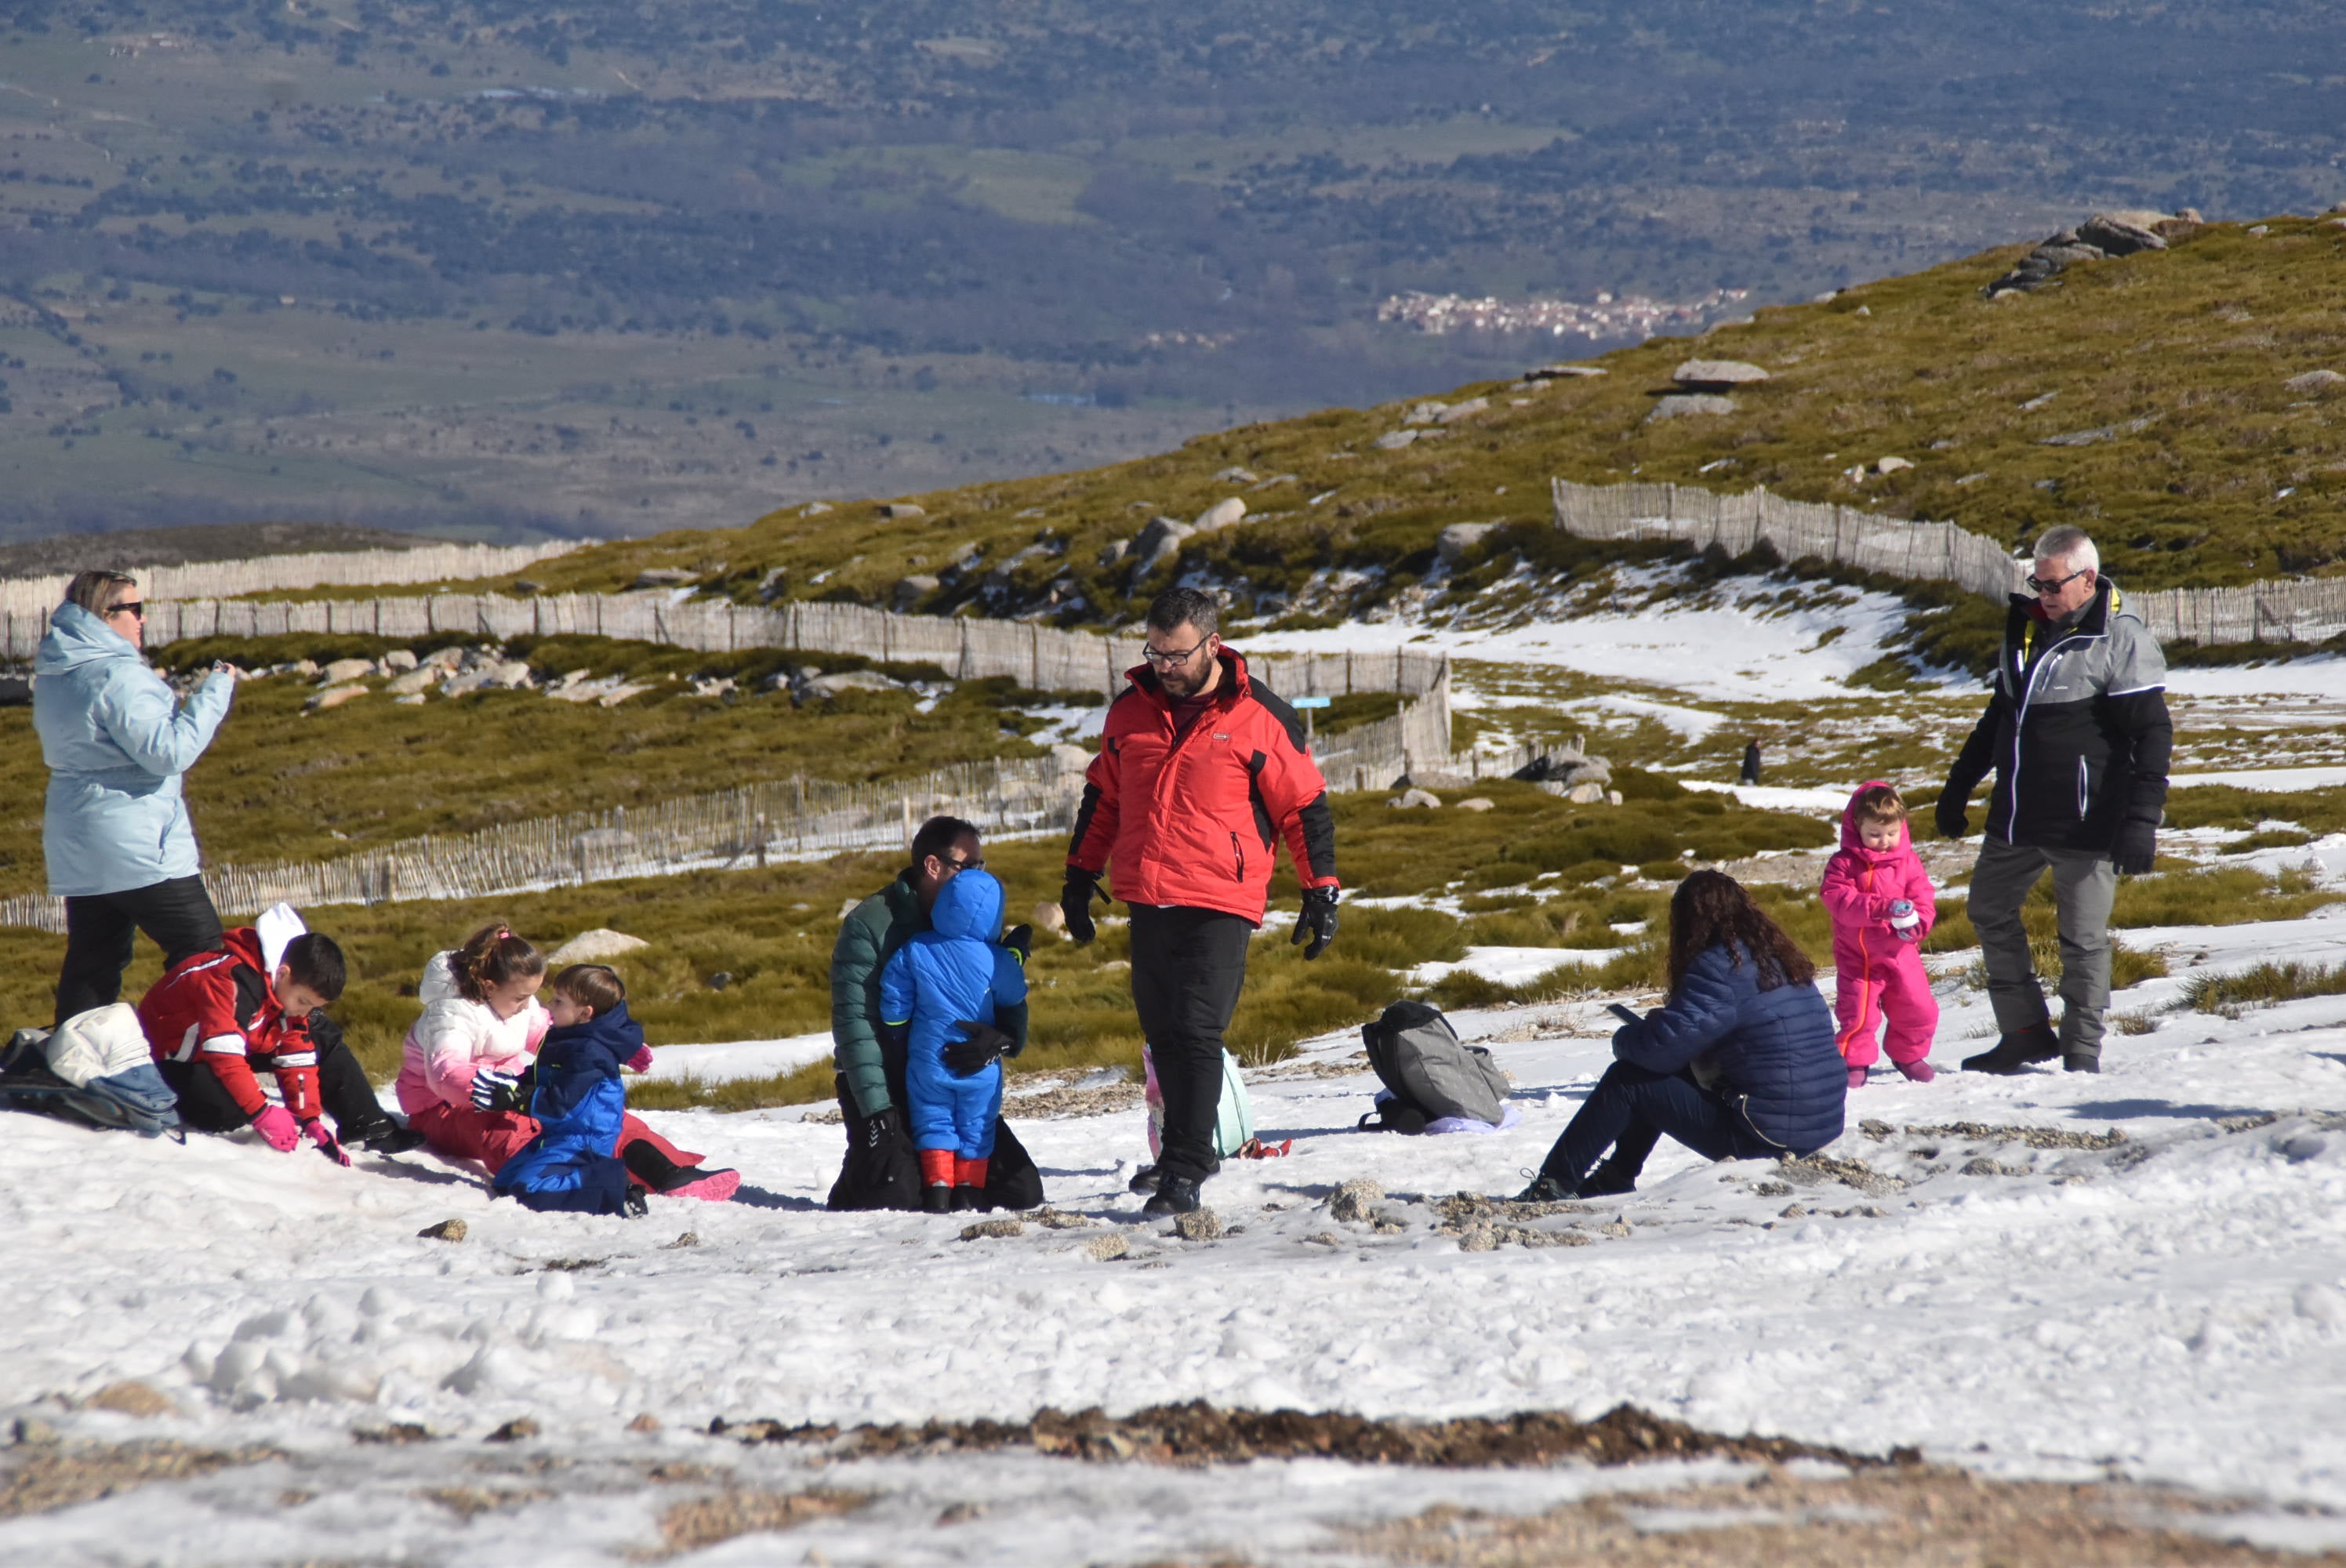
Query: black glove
(881, 1131)
(1953, 823)
(1020, 940)
(1318, 918)
(1075, 903)
(2136, 846)
(503, 1091)
(984, 1045)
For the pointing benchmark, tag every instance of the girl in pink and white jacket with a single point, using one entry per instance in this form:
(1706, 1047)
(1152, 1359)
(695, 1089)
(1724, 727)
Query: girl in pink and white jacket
(1878, 894)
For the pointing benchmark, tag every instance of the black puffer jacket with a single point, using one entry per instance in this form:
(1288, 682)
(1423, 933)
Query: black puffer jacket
(2076, 728)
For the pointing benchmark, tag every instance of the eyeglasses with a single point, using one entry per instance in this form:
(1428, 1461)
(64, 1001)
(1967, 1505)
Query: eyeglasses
(1166, 659)
(2039, 585)
(974, 863)
(134, 607)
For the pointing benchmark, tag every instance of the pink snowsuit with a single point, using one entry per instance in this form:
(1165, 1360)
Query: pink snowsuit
(1876, 976)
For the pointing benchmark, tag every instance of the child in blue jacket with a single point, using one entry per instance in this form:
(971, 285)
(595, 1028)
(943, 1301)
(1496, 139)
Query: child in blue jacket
(579, 1101)
(945, 980)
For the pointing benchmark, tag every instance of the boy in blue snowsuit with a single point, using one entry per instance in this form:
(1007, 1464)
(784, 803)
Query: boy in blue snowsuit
(953, 975)
(579, 1101)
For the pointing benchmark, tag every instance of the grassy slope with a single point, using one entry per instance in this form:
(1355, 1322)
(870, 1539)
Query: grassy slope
(2198, 339)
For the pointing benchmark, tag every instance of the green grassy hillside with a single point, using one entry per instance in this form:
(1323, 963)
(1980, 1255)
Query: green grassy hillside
(2233, 477)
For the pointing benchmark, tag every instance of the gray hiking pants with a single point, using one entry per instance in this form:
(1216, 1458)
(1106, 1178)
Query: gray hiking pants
(2084, 884)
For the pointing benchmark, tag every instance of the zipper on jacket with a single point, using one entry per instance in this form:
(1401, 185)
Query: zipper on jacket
(1238, 855)
(2027, 693)
(2084, 788)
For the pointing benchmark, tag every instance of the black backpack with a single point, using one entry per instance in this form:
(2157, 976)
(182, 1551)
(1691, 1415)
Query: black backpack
(1429, 1070)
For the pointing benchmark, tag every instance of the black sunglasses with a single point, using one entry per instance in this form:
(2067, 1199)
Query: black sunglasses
(134, 606)
(2039, 585)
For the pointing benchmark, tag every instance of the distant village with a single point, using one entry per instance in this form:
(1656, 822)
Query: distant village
(1608, 317)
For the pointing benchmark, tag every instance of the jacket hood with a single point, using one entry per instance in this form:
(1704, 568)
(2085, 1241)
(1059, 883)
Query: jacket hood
(439, 982)
(1848, 838)
(1234, 684)
(76, 638)
(614, 1031)
(968, 905)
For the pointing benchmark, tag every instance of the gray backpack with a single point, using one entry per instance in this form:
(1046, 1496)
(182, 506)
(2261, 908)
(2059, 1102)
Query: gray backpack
(1429, 1070)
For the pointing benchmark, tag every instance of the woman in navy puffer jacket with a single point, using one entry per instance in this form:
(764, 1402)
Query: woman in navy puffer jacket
(1738, 1063)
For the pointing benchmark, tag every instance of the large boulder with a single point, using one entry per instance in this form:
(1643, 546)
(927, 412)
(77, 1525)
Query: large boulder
(1680, 405)
(2114, 234)
(597, 946)
(343, 670)
(1425, 412)
(1394, 440)
(2315, 381)
(1159, 541)
(909, 591)
(414, 681)
(399, 661)
(1454, 543)
(1224, 514)
(1458, 411)
(822, 687)
(1717, 375)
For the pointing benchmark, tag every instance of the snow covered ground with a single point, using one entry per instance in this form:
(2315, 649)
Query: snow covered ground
(2172, 1305)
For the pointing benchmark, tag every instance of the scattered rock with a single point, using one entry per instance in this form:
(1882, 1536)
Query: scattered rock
(2103, 235)
(1717, 375)
(1892, 465)
(2120, 234)
(1425, 412)
(1158, 542)
(998, 1229)
(2100, 433)
(647, 1422)
(815, 509)
(599, 945)
(515, 1430)
(2314, 382)
(446, 1231)
(824, 688)
(343, 670)
(332, 697)
(685, 1239)
(1590, 793)
(909, 591)
(131, 1398)
(1774, 1189)
(1428, 778)
(513, 675)
(1458, 411)
(1235, 476)
(662, 577)
(1555, 372)
(1224, 514)
(1455, 542)
(1050, 1219)
(1114, 550)
(1198, 1225)
(1352, 1200)
(1477, 804)
(1409, 798)
(1793, 1211)
(1107, 1248)
(445, 658)
(399, 660)
(1679, 405)
(393, 1431)
(902, 511)
(1394, 440)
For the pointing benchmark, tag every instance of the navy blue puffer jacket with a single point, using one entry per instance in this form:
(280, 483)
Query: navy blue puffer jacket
(1772, 1050)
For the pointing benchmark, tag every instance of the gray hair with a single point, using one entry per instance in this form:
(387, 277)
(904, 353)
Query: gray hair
(1177, 607)
(2071, 544)
(97, 590)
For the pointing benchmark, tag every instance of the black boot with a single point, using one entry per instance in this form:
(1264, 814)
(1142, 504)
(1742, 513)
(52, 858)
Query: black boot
(969, 1198)
(1546, 1187)
(634, 1206)
(378, 1135)
(937, 1199)
(656, 1170)
(1609, 1179)
(1145, 1179)
(2037, 1043)
(1174, 1195)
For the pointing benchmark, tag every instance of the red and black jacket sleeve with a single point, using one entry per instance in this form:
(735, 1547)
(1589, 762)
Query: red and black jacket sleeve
(1102, 810)
(215, 1013)
(1288, 793)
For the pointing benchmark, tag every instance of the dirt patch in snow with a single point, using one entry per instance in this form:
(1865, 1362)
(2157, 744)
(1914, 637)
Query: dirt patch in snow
(1916, 1517)
(706, 1521)
(1997, 1133)
(1201, 1433)
(37, 1477)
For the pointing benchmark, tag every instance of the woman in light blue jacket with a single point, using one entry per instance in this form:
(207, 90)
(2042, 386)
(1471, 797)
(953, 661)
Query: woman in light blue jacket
(115, 834)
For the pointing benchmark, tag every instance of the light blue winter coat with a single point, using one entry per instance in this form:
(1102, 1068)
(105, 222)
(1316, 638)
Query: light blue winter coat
(115, 741)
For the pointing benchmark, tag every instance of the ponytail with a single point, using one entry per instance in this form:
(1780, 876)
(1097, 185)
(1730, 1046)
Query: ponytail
(490, 957)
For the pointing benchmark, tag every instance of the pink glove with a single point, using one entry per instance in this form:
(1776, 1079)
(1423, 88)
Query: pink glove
(327, 1146)
(276, 1124)
(641, 1061)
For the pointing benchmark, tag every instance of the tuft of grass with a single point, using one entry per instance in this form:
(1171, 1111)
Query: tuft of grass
(2263, 985)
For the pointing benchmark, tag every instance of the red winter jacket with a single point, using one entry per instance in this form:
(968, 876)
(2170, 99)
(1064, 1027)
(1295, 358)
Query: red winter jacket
(1191, 820)
(215, 1009)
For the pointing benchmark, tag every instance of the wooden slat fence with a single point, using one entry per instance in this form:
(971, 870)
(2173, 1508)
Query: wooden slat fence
(2308, 610)
(263, 574)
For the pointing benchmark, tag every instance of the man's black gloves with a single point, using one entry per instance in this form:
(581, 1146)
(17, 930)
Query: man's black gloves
(2136, 846)
(1020, 940)
(1953, 823)
(1318, 919)
(984, 1045)
(1075, 903)
(883, 1131)
(505, 1091)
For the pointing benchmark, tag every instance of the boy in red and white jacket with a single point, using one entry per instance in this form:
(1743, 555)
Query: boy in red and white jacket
(217, 1020)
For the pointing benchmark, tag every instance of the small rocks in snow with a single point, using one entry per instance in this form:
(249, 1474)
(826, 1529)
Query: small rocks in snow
(131, 1398)
(997, 1229)
(1394, 440)
(1793, 1211)
(1774, 1189)
(1107, 1248)
(598, 945)
(32, 1431)
(647, 1422)
(688, 1238)
(393, 1431)
(1198, 1225)
(1414, 797)
(1050, 1219)
(446, 1231)
(1354, 1200)
(515, 1430)
(1324, 1238)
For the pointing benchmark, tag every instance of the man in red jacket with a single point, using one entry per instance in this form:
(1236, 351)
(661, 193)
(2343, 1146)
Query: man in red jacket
(1200, 772)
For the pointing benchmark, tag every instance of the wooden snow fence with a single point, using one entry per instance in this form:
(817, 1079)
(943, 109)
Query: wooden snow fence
(268, 574)
(2308, 610)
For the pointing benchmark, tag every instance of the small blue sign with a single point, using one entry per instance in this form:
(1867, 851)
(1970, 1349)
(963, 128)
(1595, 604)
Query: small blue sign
(1307, 702)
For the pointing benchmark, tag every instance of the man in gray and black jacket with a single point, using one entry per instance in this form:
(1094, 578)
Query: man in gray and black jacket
(2077, 732)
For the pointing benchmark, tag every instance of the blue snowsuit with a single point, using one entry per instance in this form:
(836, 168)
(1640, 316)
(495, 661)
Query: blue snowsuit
(952, 971)
(579, 1104)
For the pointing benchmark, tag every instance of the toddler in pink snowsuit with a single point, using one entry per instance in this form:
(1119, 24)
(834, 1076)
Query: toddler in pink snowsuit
(1879, 896)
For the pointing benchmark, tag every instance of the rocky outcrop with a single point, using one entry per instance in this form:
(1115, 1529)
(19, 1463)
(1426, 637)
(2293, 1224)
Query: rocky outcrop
(2103, 235)
(1454, 543)
(1716, 375)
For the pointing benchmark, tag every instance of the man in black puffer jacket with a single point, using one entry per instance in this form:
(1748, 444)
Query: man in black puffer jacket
(2077, 732)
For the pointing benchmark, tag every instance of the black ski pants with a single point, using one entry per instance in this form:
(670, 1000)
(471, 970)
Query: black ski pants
(177, 914)
(1189, 966)
(342, 1086)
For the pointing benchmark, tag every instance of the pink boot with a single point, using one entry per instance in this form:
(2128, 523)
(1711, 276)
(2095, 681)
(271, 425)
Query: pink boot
(1856, 1076)
(1917, 1071)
